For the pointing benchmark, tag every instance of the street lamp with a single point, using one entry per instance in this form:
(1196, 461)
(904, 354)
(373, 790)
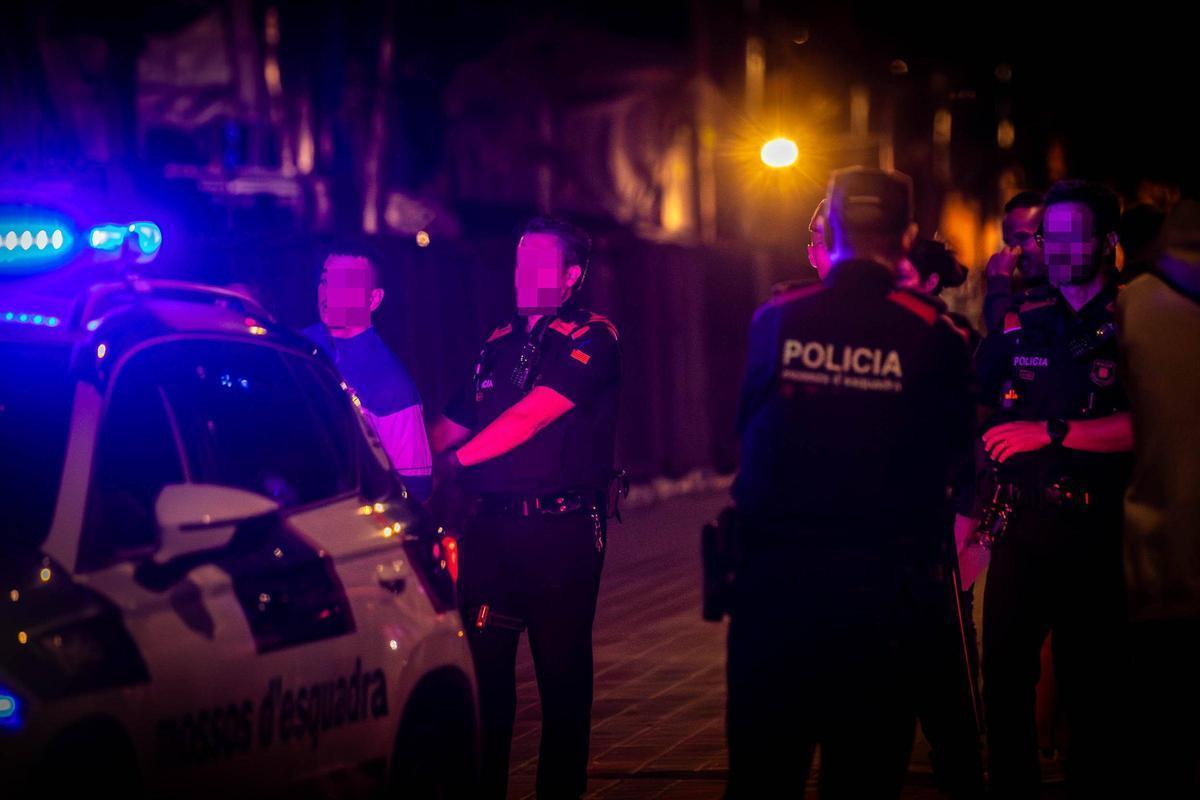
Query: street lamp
(779, 153)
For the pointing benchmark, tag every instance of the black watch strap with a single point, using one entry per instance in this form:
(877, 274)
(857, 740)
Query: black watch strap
(1057, 429)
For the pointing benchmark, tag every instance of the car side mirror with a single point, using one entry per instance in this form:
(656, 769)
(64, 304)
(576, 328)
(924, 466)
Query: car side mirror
(200, 516)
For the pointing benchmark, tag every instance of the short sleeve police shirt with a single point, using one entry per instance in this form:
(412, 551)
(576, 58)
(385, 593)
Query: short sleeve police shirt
(578, 356)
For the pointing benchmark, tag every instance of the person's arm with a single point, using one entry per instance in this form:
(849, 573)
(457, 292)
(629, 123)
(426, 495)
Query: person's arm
(446, 434)
(998, 295)
(1110, 434)
(516, 426)
(761, 360)
(402, 435)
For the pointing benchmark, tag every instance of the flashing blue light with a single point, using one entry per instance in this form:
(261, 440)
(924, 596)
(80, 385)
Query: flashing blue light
(91, 326)
(107, 237)
(146, 236)
(149, 237)
(10, 710)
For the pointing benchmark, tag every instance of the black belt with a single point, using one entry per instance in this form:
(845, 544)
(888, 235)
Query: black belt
(524, 505)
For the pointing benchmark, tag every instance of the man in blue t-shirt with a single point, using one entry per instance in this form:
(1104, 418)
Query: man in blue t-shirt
(347, 295)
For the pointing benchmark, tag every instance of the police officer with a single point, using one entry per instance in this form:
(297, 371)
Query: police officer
(1059, 439)
(855, 404)
(533, 433)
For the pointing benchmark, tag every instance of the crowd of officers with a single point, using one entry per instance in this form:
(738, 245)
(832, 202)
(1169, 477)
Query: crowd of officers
(888, 453)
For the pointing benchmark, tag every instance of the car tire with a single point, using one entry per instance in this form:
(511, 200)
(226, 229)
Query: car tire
(437, 747)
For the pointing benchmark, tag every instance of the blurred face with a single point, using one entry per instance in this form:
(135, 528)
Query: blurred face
(818, 255)
(347, 294)
(543, 280)
(1072, 249)
(1020, 230)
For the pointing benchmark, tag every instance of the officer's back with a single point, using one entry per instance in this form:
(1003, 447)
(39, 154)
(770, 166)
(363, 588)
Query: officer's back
(855, 402)
(855, 398)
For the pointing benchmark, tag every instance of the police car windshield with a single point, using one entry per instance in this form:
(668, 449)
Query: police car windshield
(35, 402)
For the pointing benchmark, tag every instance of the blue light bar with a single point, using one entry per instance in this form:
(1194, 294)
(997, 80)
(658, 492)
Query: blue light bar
(33, 240)
(30, 318)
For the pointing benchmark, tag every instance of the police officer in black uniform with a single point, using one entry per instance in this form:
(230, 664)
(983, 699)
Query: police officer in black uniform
(855, 405)
(533, 433)
(1058, 443)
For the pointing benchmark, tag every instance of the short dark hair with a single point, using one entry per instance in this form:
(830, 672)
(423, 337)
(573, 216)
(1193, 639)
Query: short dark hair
(1105, 206)
(1026, 199)
(931, 257)
(577, 245)
(355, 249)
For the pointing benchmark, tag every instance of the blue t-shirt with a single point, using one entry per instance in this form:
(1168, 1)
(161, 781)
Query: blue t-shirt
(389, 399)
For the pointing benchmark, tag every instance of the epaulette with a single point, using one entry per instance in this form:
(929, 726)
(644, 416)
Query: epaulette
(500, 333)
(596, 320)
(959, 325)
(578, 325)
(926, 307)
(1034, 305)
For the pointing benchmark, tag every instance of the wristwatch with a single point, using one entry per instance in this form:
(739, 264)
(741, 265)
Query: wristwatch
(1057, 429)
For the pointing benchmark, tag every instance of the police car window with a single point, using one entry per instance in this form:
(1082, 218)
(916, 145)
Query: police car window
(35, 409)
(255, 418)
(136, 455)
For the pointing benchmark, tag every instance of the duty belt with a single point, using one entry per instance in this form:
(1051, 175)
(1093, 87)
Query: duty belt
(520, 505)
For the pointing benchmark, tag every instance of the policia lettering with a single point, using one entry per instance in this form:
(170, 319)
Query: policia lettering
(860, 360)
(866, 369)
(292, 715)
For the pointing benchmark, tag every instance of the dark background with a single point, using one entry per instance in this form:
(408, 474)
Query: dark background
(259, 133)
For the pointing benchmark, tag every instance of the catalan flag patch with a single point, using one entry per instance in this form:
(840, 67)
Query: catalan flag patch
(580, 356)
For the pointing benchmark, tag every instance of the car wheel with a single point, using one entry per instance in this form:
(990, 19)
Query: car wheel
(436, 752)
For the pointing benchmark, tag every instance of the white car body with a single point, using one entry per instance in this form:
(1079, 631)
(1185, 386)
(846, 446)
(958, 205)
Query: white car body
(231, 690)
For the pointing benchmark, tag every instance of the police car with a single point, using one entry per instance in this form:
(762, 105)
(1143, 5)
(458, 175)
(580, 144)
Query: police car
(210, 577)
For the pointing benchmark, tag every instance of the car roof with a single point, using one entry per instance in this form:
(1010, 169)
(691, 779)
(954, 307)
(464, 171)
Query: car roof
(118, 316)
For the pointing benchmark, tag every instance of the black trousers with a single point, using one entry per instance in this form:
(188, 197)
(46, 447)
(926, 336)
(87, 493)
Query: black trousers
(1060, 572)
(944, 667)
(815, 652)
(540, 573)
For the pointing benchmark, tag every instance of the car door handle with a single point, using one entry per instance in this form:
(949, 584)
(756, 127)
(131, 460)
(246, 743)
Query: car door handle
(393, 585)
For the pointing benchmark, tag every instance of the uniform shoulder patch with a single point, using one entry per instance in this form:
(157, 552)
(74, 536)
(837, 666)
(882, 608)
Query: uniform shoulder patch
(501, 332)
(925, 308)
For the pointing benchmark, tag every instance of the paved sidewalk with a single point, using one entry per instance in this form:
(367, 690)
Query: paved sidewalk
(659, 713)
